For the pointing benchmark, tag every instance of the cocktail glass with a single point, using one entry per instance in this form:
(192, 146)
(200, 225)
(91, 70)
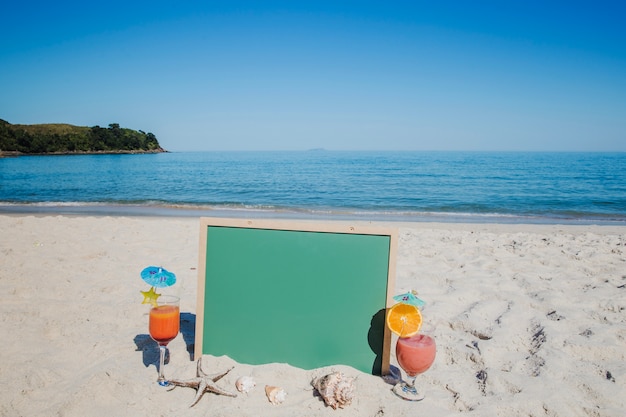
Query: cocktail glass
(415, 355)
(164, 326)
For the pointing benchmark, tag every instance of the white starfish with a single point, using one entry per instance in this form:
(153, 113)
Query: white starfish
(202, 383)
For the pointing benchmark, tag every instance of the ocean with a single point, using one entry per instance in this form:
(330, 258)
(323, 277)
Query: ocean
(534, 187)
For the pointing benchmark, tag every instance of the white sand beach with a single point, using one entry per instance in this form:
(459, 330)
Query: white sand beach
(530, 321)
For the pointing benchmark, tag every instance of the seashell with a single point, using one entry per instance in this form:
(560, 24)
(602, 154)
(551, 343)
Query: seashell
(336, 390)
(245, 384)
(276, 395)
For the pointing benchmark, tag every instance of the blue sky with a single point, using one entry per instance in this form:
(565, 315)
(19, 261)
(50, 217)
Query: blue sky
(358, 75)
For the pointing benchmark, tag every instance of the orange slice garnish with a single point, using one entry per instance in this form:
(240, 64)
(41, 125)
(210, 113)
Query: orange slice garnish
(404, 320)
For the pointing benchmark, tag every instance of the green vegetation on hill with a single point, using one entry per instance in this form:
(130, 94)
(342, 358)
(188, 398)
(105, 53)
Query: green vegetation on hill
(64, 138)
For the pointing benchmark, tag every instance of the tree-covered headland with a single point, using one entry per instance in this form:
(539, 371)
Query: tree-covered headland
(67, 139)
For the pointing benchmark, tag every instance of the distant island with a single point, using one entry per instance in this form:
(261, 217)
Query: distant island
(61, 139)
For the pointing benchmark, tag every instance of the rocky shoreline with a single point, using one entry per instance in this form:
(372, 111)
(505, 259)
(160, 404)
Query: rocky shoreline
(4, 154)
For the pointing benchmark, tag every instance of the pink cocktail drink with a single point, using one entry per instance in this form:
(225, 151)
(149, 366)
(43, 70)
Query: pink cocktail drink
(416, 354)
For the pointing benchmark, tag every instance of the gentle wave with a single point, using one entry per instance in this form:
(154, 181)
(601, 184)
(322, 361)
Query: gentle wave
(183, 210)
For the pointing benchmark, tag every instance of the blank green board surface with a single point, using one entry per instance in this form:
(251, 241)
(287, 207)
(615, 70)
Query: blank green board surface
(305, 295)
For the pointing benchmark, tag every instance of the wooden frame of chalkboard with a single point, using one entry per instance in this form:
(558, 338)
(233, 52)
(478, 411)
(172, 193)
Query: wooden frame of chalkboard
(307, 293)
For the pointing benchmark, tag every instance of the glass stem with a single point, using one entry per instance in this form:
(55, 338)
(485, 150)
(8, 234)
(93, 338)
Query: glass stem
(161, 379)
(410, 382)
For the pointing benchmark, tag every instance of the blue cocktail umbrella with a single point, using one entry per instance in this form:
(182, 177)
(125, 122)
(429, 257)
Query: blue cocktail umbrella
(410, 298)
(156, 276)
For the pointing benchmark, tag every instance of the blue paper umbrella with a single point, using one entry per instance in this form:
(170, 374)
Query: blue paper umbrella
(410, 298)
(157, 276)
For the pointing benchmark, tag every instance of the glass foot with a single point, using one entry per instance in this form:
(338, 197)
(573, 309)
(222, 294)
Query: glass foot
(407, 392)
(163, 383)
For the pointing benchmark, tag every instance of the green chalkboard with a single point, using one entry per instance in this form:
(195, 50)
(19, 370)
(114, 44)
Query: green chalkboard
(304, 293)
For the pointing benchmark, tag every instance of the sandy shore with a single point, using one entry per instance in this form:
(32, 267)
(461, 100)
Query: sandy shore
(529, 319)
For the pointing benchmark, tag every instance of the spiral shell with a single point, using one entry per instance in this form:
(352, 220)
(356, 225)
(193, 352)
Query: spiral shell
(336, 390)
(275, 395)
(245, 384)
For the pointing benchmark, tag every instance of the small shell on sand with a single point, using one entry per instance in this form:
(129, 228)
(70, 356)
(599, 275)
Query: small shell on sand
(275, 395)
(245, 384)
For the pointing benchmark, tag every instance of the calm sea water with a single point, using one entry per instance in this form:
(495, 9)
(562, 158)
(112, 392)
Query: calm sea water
(475, 186)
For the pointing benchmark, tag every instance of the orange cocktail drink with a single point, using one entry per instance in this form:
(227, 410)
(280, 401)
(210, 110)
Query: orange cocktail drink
(164, 323)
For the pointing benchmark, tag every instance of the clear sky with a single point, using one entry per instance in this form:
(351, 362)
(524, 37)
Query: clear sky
(345, 75)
